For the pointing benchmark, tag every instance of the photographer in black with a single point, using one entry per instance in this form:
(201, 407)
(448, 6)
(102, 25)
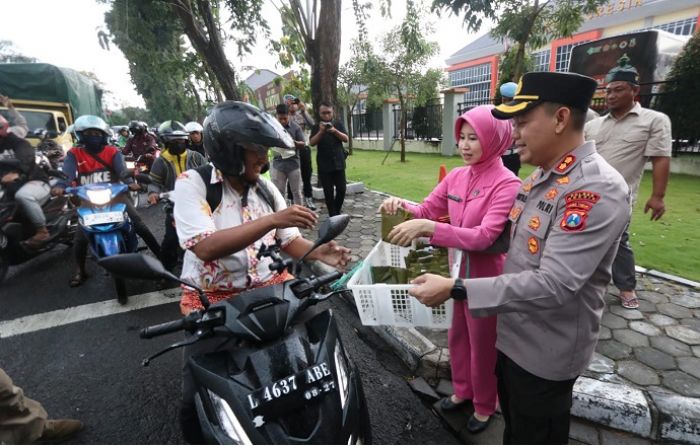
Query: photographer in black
(329, 135)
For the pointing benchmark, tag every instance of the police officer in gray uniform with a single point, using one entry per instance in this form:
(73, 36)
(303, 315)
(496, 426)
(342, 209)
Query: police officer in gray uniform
(565, 226)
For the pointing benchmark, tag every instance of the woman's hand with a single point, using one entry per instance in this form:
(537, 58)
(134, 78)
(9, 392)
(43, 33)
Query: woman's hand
(333, 255)
(294, 216)
(404, 233)
(391, 205)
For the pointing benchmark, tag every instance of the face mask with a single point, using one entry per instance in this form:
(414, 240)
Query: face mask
(93, 143)
(177, 147)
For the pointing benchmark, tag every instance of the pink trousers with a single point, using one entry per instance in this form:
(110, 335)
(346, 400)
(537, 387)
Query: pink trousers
(472, 344)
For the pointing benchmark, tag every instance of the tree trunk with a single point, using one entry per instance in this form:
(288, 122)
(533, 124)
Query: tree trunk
(519, 62)
(323, 55)
(402, 127)
(206, 39)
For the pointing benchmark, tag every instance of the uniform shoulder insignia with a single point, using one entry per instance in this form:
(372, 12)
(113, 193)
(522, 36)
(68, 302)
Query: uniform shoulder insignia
(574, 220)
(578, 204)
(565, 163)
(533, 245)
(582, 195)
(551, 193)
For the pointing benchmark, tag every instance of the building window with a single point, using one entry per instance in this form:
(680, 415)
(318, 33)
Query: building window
(564, 55)
(681, 27)
(540, 60)
(476, 78)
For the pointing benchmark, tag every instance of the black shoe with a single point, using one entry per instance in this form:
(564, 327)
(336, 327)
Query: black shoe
(448, 405)
(475, 426)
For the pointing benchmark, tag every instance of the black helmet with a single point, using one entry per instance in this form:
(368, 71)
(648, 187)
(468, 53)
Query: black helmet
(231, 126)
(136, 127)
(171, 130)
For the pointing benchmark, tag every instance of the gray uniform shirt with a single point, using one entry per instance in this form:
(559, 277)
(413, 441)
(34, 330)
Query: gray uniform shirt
(287, 165)
(566, 224)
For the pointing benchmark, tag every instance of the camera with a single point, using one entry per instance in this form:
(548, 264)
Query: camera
(296, 100)
(328, 125)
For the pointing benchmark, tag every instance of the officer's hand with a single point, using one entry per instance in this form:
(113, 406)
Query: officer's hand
(295, 216)
(152, 198)
(431, 290)
(657, 206)
(9, 177)
(333, 255)
(403, 234)
(57, 191)
(391, 205)
(134, 186)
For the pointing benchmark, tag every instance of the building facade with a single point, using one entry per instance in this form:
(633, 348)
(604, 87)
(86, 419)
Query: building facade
(476, 65)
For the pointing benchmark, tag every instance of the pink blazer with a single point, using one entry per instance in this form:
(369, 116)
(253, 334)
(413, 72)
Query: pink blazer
(477, 216)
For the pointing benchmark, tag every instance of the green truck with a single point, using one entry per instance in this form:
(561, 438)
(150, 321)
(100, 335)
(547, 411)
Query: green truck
(49, 97)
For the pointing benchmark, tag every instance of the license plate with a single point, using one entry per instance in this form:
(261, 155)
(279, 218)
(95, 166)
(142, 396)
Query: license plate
(103, 218)
(292, 391)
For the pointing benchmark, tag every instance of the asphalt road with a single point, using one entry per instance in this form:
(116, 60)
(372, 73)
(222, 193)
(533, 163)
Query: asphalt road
(91, 369)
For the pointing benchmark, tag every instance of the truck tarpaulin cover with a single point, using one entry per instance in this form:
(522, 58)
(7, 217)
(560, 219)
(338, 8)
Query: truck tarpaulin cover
(44, 82)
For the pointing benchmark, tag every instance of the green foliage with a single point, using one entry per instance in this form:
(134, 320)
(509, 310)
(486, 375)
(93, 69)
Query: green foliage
(127, 114)
(682, 97)
(246, 22)
(150, 36)
(9, 54)
(299, 85)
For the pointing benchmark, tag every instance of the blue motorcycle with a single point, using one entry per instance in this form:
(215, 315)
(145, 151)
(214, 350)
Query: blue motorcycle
(106, 224)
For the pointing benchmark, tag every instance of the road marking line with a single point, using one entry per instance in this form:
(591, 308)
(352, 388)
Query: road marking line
(57, 318)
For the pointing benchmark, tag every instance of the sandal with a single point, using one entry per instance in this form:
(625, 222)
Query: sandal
(78, 279)
(631, 302)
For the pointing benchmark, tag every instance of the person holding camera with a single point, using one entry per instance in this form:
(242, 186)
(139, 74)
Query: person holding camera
(329, 135)
(299, 114)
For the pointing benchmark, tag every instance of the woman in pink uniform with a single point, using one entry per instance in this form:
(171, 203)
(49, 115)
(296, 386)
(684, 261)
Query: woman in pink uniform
(478, 198)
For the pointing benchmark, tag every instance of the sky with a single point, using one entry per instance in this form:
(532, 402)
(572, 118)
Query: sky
(64, 33)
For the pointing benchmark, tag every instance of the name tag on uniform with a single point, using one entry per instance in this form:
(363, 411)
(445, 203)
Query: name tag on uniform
(454, 197)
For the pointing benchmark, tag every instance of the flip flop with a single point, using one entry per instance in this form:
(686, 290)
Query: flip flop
(631, 303)
(78, 279)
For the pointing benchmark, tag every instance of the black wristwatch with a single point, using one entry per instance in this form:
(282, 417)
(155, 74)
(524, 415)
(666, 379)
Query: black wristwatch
(459, 291)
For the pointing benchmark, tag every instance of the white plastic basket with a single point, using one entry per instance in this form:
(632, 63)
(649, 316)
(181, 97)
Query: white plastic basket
(382, 304)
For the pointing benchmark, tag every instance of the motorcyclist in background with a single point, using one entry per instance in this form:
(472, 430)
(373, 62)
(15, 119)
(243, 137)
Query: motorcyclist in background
(25, 180)
(123, 137)
(173, 160)
(94, 161)
(195, 137)
(142, 143)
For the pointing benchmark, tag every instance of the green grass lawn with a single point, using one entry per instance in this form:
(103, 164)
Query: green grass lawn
(671, 245)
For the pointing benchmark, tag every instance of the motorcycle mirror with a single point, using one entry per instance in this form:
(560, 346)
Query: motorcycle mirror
(139, 266)
(329, 230)
(136, 266)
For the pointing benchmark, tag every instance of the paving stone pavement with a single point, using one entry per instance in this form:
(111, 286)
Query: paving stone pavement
(655, 348)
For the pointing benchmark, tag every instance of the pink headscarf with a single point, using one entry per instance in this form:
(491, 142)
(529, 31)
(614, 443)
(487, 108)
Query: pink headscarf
(495, 135)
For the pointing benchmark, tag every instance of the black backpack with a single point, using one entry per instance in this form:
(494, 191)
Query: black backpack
(216, 191)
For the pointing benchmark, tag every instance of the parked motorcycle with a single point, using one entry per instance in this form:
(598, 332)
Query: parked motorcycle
(106, 224)
(282, 375)
(15, 228)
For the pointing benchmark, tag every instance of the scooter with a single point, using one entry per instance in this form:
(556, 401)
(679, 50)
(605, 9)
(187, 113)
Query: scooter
(282, 375)
(15, 228)
(106, 224)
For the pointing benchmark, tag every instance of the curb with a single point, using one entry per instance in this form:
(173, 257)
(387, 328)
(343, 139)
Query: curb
(652, 415)
(350, 189)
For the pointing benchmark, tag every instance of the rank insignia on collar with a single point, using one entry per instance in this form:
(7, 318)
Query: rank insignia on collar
(551, 193)
(515, 212)
(563, 180)
(535, 174)
(534, 223)
(527, 187)
(573, 220)
(533, 245)
(565, 163)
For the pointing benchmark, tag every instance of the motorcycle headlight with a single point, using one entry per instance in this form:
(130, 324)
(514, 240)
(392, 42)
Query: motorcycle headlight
(342, 374)
(227, 420)
(99, 196)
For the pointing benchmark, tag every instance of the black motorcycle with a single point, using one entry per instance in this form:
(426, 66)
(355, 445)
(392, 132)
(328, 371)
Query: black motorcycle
(282, 375)
(61, 221)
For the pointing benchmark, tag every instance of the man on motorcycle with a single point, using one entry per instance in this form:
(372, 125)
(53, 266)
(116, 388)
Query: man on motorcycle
(174, 160)
(225, 211)
(94, 161)
(195, 137)
(142, 143)
(19, 175)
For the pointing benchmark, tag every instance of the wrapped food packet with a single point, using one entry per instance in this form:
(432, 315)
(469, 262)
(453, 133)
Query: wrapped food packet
(389, 221)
